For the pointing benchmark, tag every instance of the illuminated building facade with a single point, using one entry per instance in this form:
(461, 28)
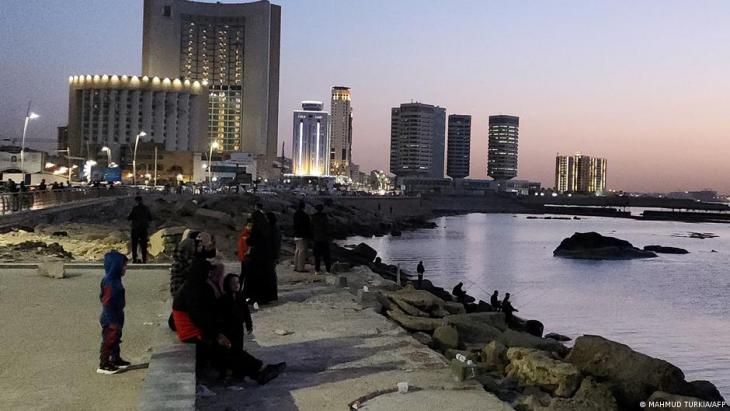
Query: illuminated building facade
(311, 143)
(112, 110)
(457, 159)
(341, 132)
(233, 49)
(502, 154)
(417, 140)
(580, 174)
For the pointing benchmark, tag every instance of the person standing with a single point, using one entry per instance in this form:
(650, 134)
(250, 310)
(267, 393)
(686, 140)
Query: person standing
(242, 249)
(42, 186)
(140, 218)
(302, 233)
(259, 256)
(494, 301)
(112, 297)
(320, 236)
(270, 280)
(420, 270)
(508, 309)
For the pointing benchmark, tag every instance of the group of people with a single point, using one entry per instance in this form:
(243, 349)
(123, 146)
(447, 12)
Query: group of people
(313, 228)
(504, 306)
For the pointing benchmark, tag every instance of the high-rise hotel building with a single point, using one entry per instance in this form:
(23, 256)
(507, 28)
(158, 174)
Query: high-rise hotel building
(458, 150)
(417, 140)
(233, 50)
(311, 143)
(502, 153)
(340, 131)
(580, 174)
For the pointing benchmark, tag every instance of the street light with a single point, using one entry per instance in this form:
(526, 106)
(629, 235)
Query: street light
(213, 145)
(134, 157)
(28, 117)
(108, 155)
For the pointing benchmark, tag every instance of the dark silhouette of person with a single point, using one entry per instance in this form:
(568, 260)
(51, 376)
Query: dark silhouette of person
(259, 258)
(508, 309)
(140, 217)
(496, 305)
(302, 233)
(42, 185)
(321, 238)
(420, 270)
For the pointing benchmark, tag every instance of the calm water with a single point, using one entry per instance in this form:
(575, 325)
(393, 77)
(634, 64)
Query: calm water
(674, 307)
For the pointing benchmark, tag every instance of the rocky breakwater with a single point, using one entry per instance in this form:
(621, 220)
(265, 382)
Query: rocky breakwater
(520, 366)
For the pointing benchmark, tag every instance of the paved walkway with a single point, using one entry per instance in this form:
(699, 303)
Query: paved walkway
(339, 352)
(49, 340)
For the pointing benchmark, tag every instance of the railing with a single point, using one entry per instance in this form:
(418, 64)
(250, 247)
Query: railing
(11, 203)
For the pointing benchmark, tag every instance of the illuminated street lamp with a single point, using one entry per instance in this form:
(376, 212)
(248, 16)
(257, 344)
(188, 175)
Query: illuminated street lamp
(134, 157)
(108, 155)
(210, 160)
(28, 117)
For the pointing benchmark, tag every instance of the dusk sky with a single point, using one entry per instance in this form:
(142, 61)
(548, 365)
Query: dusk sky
(644, 84)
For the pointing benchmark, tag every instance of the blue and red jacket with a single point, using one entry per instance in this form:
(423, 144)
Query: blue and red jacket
(112, 290)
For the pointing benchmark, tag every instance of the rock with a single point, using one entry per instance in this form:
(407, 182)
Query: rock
(420, 299)
(557, 337)
(413, 323)
(451, 353)
(594, 246)
(662, 401)
(704, 390)
(635, 375)
(368, 298)
(116, 236)
(395, 233)
(454, 308)
(591, 396)
(52, 269)
(463, 371)
(186, 208)
(423, 338)
(528, 403)
(534, 327)
(407, 308)
(445, 337)
(494, 356)
(158, 240)
(339, 281)
(340, 267)
(59, 234)
(512, 338)
(220, 216)
(365, 252)
(665, 250)
(478, 328)
(535, 367)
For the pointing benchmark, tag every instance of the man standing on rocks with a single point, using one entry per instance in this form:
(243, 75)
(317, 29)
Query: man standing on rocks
(320, 236)
(420, 270)
(140, 218)
(302, 232)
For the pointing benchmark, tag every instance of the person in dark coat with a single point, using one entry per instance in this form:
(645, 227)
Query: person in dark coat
(42, 186)
(420, 270)
(270, 280)
(235, 313)
(494, 301)
(321, 238)
(259, 257)
(140, 218)
(302, 234)
(508, 309)
(112, 297)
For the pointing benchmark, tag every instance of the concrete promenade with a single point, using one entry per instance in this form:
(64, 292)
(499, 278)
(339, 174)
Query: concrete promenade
(50, 336)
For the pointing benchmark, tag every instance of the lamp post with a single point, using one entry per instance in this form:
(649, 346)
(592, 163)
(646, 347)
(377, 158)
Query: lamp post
(213, 145)
(29, 116)
(134, 157)
(108, 155)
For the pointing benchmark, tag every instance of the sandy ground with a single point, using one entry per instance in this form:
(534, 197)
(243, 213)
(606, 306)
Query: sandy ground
(50, 336)
(337, 352)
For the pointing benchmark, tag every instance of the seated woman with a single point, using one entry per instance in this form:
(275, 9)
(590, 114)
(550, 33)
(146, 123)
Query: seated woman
(234, 311)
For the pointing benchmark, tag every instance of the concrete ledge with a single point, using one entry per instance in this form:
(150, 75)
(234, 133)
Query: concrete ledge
(90, 265)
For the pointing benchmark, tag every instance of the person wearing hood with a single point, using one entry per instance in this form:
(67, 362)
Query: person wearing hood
(112, 297)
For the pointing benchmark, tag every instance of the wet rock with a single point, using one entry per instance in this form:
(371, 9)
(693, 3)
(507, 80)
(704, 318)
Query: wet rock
(445, 337)
(494, 356)
(534, 327)
(535, 367)
(591, 396)
(413, 323)
(594, 246)
(512, 338)
(634, 375)
(557, 337)
(665, 250)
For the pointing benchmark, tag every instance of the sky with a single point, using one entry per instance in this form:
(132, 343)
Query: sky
(644, 84)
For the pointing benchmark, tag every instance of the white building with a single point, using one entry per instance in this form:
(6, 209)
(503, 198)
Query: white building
(10, 161)
(311, 141)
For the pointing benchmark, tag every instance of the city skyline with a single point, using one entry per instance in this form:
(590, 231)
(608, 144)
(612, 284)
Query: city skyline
(631, 87)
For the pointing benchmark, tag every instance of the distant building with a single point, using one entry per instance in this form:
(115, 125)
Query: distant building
(33, 160)
(417, 140)
(112, 110)
(415, 185)
(62, 137)
(341, 132)
(580, 174)
(502, 153)
(457, 160)
(233, 50)
(311, 146)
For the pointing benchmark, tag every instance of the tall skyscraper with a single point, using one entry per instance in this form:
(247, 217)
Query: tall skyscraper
(457, 160)
(580, 174)
(311, 144)
(417, 137)
(341, 132)
(502, 153)
(233, 49)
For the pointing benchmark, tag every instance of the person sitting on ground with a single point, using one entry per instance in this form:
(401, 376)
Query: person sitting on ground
(494, 301)
(234, 311)
(112, 297)
(196, 314)
(461, 295)
(508, 309)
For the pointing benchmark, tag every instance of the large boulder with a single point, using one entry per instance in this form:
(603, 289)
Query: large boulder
(535, 367)
(635, 375)
(445, 337)
(408, 308)
(591, 396)
(594, 246)
(665, 250)
(420, 299)
(365, 252)
(512, 338)
(477, 328)
(411, 322)
(494, 356)
(662, 401)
